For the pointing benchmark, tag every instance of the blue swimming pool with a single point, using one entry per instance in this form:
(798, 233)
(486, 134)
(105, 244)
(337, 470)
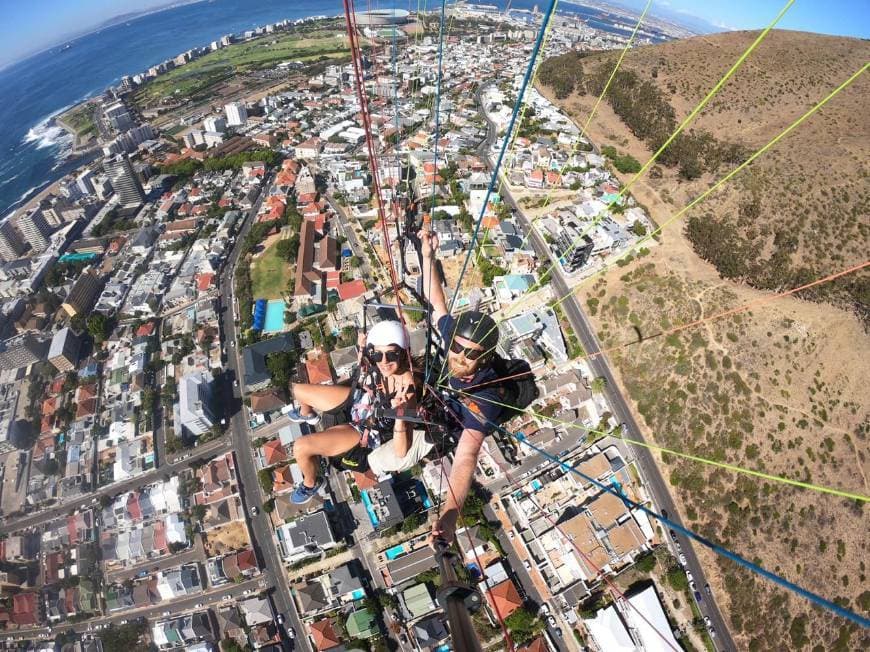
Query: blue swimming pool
(369, 508)
(536, 484)
(394, 552)
(274, 316)
(359, 594)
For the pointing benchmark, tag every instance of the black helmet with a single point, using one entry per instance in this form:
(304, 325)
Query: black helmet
(478, 328)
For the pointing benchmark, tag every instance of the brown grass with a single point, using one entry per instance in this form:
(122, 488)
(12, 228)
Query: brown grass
(778, 389)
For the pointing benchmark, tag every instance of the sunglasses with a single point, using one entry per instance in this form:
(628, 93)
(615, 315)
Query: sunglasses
(471, 354)
(389, 356)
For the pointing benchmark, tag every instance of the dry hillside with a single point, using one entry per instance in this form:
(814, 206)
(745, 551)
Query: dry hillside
(801, 210)
(780, 388)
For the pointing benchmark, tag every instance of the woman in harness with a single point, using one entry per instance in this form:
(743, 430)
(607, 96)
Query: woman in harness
(362, 439)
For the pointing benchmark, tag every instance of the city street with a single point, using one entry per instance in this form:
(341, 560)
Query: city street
(249, 487)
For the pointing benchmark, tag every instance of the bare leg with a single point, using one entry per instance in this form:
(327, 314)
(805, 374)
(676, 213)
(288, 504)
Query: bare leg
(308, 449)
(318, 397)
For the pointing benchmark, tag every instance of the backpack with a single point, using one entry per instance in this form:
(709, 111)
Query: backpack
(518, 390)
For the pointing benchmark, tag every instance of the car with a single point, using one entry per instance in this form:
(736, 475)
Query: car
(511, 534)
(248, 592)
(707, 621)
(544, 610)
(551, 620)
(280, 619)
(558, 631)
(527, 565)
(166, 613)
(683, 561)
(198, 605)
(124, 622)
(697, 596)
(255, 510)
(692, 584)
(673, 535)
(689, 577)
(712, 631)
(235, 383)
(707, 589)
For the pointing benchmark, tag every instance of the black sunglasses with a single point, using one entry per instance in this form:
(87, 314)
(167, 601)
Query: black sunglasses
(471, 354)
(390, 356)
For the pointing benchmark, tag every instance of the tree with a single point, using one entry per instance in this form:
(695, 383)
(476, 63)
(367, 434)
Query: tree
(285, 249)
(266, 481)
(599, 385)
(638, 228)
(198, 512)
(281, 366)
(523, 625)
(269, 506)
(99, 327)
(677, 578)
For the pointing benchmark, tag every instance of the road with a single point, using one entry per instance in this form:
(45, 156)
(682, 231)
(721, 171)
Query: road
(205, 451)
(249, 487)
(600, 367)
(174, 608)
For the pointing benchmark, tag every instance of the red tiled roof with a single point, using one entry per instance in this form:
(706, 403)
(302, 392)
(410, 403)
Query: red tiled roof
(246, 560)
(85, 408)
(204, 281)
(145, 330)
(351, 289)
(323, 634)
(318, 370)
(133, 507)
(49, 406)
(505, 598)
(274, 452)
(25, 608)
(282, 479)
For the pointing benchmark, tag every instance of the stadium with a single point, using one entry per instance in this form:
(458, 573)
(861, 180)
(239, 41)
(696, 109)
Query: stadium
(382, 17)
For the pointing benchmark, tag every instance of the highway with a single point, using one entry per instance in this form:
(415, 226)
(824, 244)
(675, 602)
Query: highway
(653, 478)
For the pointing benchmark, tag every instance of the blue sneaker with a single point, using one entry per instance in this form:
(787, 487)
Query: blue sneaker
(302, 494)
(297, 417)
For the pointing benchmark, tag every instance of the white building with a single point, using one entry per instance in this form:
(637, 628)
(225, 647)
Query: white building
(214, 123)
(237, 115)
(194, 399)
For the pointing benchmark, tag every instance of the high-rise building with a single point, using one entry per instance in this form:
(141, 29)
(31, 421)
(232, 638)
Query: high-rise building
(237, 115)
(574, 256)
(35, 229)
(64, 350)
(118, 117)
(83, 295)
(214, 123)
(85, 182)
(11, 244)
(124, 181)
(194, 404)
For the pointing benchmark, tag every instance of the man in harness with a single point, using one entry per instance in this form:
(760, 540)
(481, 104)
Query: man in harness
(471, 338)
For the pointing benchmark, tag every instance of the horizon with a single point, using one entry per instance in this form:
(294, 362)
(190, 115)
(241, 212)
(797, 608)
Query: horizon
(847, 18)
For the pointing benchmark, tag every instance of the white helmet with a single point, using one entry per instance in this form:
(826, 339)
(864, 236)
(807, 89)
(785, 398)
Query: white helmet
(386, 333)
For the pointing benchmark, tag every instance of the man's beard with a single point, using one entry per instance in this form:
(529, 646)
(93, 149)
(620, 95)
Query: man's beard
(461, 369)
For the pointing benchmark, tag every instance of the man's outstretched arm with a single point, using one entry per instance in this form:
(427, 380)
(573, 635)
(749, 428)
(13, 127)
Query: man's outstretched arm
(432, 288)
(458, 485)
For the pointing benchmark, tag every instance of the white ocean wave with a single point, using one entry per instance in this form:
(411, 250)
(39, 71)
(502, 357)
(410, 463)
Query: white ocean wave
(4, 182)
(46, 134)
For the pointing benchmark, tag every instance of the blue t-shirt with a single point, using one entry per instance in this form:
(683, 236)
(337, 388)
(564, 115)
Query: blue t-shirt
(474, 406)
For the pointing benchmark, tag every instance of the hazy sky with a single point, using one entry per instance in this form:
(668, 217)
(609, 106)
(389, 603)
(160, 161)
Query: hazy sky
(27, 26)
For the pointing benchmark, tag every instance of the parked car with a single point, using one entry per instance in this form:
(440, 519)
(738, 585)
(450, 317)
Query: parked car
(697, 596)
(552, 621)
(527, 565)
(707, 589)
(707, 621)
(673, 535)
(255, 510)
(280, 619)
(291, 633)
(683, 561)
(544, 610)
(689, 576)
(199, 605)
(511, 534)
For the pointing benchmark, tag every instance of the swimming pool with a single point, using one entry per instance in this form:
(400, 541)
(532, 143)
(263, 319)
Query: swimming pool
(369, 508)
(359, 594)
(394, 552)
(536, 484)
(274, 316)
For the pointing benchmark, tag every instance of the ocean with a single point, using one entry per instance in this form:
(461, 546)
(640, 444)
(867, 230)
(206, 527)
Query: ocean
(33, 153)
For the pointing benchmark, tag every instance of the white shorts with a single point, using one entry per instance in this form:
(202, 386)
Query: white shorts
(383, 459)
